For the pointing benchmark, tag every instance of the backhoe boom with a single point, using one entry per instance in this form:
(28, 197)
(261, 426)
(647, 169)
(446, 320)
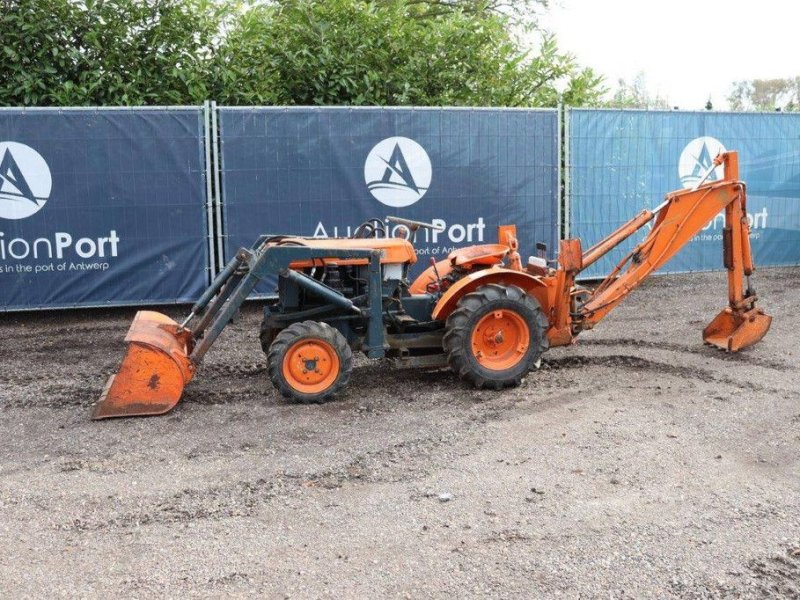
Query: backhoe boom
(681, 217)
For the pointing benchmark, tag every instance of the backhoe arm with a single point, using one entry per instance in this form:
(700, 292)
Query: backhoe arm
(682, 216)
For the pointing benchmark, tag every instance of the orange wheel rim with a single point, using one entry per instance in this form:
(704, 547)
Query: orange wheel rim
(311, 366)
(500, 339)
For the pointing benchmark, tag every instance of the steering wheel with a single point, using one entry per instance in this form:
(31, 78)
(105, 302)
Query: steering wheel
(368, 228)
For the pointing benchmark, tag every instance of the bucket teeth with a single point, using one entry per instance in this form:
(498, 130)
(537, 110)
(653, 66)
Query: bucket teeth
(732, 331)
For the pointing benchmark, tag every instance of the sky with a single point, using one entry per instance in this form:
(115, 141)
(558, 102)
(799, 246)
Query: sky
(688, 50)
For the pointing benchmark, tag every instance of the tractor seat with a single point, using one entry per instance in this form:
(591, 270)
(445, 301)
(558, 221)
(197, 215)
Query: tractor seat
(487, 254)
(393, 250)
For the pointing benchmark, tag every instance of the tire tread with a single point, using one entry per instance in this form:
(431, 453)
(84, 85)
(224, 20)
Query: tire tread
(457, 338)
(295, 332)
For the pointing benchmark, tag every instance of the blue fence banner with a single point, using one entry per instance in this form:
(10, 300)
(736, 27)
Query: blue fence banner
(323, 171)
(102, 207)
(623, 161)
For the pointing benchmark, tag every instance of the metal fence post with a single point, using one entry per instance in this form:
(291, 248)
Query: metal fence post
(216, 135)
(210, 169)
(567, 183)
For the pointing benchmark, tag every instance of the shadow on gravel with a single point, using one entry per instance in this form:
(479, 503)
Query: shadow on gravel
(637, 363)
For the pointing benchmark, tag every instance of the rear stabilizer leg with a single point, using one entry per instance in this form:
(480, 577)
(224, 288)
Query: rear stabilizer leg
(740, 324)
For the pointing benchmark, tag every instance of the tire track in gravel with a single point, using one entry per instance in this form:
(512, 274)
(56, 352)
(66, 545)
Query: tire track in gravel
(406, 460)
(214, 379)
(777, 576)
(68, 333)
(694, 350)
(53, 396)
(245, 498)
(251, 370)
(241, 499)
(770, 576)
(637, 363)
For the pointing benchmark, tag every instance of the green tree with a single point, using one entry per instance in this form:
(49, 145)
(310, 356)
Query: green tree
(635, 94)
(283, 52)
(766, 94)
(106, 52)
(391, 52)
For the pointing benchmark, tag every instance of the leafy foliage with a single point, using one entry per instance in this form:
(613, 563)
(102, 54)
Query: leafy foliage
(635, 94)
(350, 52)
(359, 52)
(766, 94)
(106, 52)
(518, 12)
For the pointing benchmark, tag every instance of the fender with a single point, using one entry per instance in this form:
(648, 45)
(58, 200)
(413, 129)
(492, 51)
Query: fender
(420, 285)
(531, 284)
(467, 258)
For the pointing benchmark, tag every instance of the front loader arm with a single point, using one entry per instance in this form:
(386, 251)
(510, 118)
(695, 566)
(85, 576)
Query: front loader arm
(163, 355)
(681, 217)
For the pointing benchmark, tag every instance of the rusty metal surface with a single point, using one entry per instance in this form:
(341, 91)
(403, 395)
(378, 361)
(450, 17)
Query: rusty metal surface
(153, 372)
(570, 255)
(734, 330)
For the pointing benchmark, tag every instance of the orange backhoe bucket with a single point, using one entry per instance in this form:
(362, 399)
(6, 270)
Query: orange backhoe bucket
(731, 331)
(154, 371)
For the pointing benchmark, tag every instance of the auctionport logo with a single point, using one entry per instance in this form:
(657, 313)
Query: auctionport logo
(696, 158)
(25, 181)
(398, 171)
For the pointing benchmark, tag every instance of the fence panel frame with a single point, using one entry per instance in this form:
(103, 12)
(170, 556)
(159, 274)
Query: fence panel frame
(222, 220)
(203, 173)
(727, 121)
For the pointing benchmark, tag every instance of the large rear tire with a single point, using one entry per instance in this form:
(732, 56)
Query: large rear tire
(309, 362)
(495, 336)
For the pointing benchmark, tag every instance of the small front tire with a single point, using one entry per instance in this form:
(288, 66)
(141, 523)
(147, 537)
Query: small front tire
(309, 362)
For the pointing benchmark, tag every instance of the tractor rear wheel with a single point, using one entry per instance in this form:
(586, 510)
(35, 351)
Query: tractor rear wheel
(309, 361)
(495, 336)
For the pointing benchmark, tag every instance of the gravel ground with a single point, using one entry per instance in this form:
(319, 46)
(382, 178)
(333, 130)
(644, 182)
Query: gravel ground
(638, 463)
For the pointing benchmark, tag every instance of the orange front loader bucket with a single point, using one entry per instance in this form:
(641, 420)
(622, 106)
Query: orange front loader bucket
(731, 331)
(154, 371)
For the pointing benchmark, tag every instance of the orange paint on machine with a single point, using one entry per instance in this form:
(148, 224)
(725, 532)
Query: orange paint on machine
(480, 311)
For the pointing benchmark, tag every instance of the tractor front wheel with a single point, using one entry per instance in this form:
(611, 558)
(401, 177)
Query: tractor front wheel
(495, 336)
(309, 361)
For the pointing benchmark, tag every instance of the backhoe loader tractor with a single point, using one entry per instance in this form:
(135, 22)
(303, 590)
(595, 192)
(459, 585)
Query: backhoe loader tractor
(481, 310)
